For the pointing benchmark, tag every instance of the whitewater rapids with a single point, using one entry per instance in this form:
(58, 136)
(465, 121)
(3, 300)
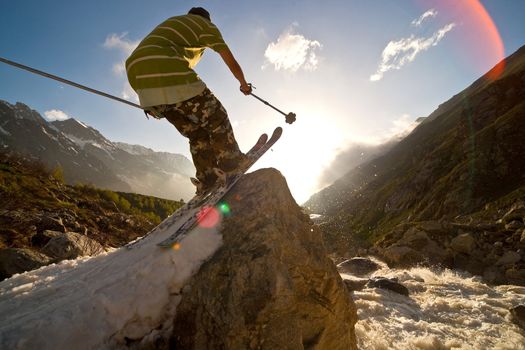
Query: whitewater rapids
(445, 310)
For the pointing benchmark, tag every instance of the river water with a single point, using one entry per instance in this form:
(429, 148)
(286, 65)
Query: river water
(445, 310)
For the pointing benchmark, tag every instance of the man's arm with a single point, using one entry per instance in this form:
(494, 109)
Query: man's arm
(236, 70)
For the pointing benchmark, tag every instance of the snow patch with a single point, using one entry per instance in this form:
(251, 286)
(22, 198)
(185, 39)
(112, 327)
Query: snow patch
(49, 135)
(82, 124)
(100, 302)
(78, 141)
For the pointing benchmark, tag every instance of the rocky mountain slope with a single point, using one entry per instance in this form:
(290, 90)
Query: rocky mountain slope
(43, 220)
(462, 166)
(86, 156)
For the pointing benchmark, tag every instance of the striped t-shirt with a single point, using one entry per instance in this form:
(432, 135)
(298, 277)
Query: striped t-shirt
(160, 68)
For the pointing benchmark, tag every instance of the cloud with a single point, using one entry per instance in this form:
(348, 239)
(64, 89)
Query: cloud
(120, 42)
(356, 152)
(398, 53)
(402, 127)
(125, 46)
(129, 94)
(292, 51)
(56, 114)
(419, 21)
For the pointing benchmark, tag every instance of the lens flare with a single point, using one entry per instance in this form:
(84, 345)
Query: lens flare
(480, 43)
(488, 28)
(224, 208)
(208, 217)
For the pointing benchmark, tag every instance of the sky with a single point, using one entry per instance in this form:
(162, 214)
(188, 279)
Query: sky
(353, 71)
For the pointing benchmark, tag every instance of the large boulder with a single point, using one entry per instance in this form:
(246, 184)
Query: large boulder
(271, 285)
(358, 266)
(388, 283)
(402, 256)
(70, 245)
(518, 315)
(50, 223)
(18, 260)
(463, 243)
(416, 247)
(509, 257)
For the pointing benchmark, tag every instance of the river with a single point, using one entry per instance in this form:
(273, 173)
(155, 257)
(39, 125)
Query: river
(445, 310)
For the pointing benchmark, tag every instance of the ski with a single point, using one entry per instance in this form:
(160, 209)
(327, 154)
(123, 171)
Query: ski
(216, 196)
(195, 202)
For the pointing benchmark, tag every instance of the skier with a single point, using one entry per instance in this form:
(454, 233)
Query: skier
(160, 71)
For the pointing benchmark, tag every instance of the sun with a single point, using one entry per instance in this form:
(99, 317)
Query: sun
(302, 153)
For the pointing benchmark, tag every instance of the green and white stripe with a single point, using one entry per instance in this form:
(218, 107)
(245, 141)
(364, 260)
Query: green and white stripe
(160, 68)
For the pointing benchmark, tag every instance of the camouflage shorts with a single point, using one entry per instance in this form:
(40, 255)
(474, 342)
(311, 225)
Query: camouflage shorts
(204, 121)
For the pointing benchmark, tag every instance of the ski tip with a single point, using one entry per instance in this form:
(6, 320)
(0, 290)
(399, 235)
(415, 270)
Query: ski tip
(277, 133)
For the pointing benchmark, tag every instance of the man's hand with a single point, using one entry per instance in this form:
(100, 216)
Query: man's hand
(246, 88)
(235, 68)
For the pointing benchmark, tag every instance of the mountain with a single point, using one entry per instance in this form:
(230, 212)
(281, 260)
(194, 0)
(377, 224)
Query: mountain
(462, 163)
(86, 156)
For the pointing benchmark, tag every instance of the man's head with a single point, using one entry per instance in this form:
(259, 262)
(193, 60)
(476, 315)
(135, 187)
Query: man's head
(199, 11)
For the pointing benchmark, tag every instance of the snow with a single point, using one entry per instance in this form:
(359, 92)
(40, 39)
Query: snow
(51, 126)
(79, 142)
(82, 144)
(49, 135)
(5, 132)
(82, 124)
(134, 149)
(99, 302)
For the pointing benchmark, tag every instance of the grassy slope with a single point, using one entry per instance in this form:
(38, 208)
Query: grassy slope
(29, 192)
(469, 153)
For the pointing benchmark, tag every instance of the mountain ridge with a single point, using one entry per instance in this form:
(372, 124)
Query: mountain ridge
(461, 166)
(86, 156)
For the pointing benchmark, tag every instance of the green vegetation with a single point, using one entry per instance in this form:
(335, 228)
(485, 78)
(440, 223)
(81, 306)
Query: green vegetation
(30, 192)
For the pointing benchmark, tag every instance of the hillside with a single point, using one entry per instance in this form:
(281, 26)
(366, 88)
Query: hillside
(35, 200)
(86, 156)
(463, 164)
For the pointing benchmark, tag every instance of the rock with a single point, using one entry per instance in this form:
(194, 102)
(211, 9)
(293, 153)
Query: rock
(510, 257)
(387, 283)
(415, 247)
(354, 284)
(18, 260)
(401, 255)
(518, 315)
(515, 276)
(358, 266)
(271, 284)
(463, 243)
(49, 223)
(516, 212)
(513, 225)
(42, 238)
(414, 238)
(493, 275)
(432, 226)
(522, 238)
(71, 245)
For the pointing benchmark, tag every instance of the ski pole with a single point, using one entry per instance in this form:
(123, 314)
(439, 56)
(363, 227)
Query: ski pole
(69, 82)
(290, 117)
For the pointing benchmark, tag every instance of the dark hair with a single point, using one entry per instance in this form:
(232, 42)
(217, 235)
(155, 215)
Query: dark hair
(199, 11)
